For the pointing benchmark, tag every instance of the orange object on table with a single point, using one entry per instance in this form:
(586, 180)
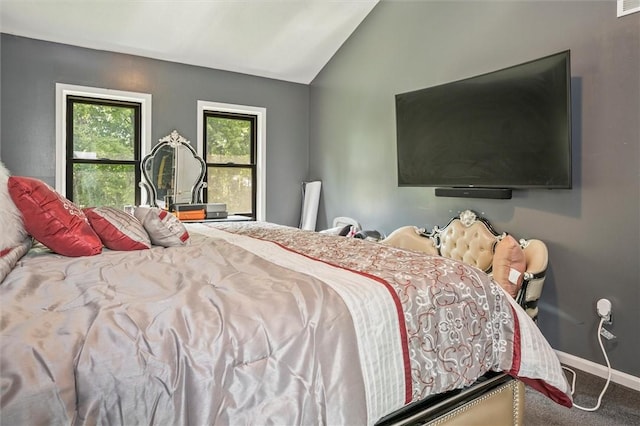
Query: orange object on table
(191, 215)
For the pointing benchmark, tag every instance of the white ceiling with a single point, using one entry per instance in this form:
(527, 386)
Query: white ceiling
(288, 40)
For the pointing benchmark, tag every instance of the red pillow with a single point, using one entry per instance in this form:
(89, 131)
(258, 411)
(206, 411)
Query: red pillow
(509, 264)
(117, 229)
(52, 219)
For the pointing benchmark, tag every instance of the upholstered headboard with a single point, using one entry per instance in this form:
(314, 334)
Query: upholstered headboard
(518, 266)
(467, 238)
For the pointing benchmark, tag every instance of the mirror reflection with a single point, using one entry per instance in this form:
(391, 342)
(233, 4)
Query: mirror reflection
(173, 172)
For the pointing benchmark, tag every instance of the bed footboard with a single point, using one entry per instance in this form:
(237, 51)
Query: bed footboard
(498, 400)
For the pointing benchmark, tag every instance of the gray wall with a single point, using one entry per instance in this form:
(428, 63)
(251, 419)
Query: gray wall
(31, 68)
(592, 231)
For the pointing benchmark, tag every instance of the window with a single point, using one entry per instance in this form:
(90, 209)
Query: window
(230, 146)
(102, 137)
(103, 152)
(231, 141)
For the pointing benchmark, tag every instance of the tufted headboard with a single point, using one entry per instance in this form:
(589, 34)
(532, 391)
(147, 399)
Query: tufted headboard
(467, 238)
(518, 266)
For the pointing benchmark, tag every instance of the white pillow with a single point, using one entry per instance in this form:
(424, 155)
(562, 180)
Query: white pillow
(9, 257)
(12, 232)
(163, 228)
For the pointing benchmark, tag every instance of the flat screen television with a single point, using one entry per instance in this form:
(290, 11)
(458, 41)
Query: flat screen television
(509, 128)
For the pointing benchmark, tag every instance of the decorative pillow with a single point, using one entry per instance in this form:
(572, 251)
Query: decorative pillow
(164, 228)
(52, 219)
(509, 265)
(117, 229)
(10, 256)
(12, 230)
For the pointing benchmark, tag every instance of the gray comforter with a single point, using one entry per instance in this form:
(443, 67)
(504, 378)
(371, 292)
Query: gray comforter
(251, 325)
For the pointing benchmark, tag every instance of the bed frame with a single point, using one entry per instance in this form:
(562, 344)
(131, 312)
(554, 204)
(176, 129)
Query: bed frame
(471, 239)
(496, 398)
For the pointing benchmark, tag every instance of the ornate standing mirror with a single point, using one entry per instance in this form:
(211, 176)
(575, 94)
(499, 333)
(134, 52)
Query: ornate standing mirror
(173, 172)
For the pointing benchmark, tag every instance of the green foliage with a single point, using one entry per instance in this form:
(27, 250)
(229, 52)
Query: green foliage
(106, 130)
(231, 186)
(110, 185)
(229, 140)
(109, 132)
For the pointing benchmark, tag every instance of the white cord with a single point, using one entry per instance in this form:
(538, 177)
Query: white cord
(573, 381)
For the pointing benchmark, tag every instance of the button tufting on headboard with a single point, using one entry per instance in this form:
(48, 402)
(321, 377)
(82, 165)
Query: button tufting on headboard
(470, 242)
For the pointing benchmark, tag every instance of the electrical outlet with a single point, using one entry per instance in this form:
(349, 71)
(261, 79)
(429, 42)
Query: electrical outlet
(607, 334)
(603, 309)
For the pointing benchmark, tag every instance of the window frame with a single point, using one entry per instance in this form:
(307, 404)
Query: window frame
(63, 91)
(71, 160)
(260, 149)
(252, 119)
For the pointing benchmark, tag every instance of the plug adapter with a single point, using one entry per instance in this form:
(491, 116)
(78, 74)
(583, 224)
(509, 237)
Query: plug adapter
(603, 308)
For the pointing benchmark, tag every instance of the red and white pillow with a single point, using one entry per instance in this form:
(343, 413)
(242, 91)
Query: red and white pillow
(10, 256)
(117, 229)
(163, 228)
(14, 241)
(52, 219)
(32, 207)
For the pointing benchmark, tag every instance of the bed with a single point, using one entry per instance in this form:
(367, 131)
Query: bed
(256, 323)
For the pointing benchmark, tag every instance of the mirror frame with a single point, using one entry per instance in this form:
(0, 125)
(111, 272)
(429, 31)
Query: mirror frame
(174, 140)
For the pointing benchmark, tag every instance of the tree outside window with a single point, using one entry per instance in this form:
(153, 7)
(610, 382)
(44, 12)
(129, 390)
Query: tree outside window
(230, 149)
(103, 152)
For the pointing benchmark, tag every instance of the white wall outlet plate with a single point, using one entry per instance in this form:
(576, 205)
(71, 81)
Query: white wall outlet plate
(625, 7)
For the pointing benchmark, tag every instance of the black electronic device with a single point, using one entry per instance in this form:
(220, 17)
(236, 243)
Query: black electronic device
(470, 192)
(509, 129)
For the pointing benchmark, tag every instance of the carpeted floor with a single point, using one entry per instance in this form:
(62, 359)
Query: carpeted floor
(620, 405)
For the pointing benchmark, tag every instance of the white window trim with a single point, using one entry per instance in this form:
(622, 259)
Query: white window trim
(64, 90)
(261, 131)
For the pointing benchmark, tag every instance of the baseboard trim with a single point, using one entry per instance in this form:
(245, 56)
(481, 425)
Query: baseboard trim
(591, 367)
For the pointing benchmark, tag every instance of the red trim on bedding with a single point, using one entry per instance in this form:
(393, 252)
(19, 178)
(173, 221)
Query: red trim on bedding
(408, 390)
(551, 392)
(5, 252)
(540, 385)
(517, 359)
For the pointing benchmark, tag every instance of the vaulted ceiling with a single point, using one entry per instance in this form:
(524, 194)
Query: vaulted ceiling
(288, 40)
